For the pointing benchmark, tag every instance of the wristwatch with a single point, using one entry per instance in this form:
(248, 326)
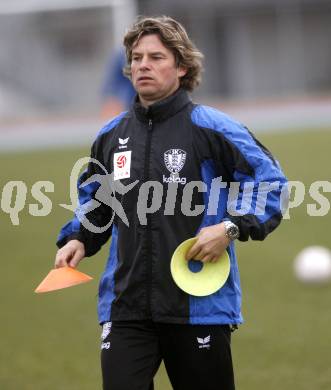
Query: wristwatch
(231, 230)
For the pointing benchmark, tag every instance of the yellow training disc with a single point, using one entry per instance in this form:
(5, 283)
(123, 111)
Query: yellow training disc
(208, 280)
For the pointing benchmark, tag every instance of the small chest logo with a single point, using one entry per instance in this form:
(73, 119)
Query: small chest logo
(122, 165)
(174, 160)
(123, 143)
(121, 161)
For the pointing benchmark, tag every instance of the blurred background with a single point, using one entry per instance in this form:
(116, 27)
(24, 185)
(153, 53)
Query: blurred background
(268, 64)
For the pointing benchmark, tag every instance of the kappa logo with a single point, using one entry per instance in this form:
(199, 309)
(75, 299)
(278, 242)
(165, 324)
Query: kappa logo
(204, 342)
(123, 142)
(174, 160)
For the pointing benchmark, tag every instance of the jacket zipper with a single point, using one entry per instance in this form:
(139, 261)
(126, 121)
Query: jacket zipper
(148, 227)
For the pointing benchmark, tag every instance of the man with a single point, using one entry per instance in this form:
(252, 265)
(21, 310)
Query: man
(167, 145)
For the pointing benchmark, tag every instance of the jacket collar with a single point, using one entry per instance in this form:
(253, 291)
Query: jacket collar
(163, 109)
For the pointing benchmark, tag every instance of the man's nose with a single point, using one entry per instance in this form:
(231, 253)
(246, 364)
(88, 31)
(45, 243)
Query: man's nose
(144, 63)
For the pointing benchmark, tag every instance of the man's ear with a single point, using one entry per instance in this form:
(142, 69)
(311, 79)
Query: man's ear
(181, 71)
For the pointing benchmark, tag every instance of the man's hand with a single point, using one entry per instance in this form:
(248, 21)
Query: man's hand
(70, 254)
(212, 242)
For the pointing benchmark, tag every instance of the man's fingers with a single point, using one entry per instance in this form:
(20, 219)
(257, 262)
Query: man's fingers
(62, 259)
(70, 255)
(207, 258)
(203, 254)
(77, 257)
(193, 252)
(61, 262)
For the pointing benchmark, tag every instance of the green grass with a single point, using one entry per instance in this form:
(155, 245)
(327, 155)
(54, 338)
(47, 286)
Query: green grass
(51, 341)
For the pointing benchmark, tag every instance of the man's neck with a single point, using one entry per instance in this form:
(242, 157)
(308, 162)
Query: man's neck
(146, 103)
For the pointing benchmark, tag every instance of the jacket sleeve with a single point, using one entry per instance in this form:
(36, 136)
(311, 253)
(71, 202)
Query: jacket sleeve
(257, 187)
(92, 221)
(255, 194)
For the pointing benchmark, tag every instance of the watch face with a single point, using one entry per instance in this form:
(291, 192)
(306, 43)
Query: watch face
(232, 231)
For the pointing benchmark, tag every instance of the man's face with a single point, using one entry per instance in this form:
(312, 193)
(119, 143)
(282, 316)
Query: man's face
(153, 70)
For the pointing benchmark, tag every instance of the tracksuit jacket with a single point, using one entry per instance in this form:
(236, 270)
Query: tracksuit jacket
(174, 147)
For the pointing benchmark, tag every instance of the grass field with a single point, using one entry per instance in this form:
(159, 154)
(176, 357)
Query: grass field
(51, 341)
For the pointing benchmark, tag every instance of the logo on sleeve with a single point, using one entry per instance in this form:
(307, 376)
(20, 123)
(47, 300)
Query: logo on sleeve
(174, 160)
(122, 165)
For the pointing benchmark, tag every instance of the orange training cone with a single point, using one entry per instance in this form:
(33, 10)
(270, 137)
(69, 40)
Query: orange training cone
(61, 278)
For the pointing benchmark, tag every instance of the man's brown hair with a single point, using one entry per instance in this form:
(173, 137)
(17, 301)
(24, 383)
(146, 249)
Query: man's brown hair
(173, 35)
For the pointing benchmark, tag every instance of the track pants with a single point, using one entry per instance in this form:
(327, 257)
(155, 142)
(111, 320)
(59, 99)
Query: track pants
(196, 357)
